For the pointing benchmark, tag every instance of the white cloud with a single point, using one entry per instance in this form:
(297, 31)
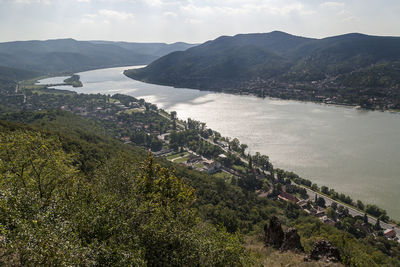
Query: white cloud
(287, 9)
(32, 1)
(247, 7)
(105, 16)
(347, 16)
(86, 21)
(332, 4)
(118, 15)
(153, 2)
(193, 21)
(170, 14)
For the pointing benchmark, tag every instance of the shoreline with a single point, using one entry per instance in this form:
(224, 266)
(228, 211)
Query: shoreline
(273, 98)
(227, 91)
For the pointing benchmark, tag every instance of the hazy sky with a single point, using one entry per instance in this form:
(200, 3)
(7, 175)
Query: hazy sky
(192, 20)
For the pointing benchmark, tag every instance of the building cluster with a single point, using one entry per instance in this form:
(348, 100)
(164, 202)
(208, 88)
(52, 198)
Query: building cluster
(320, 212)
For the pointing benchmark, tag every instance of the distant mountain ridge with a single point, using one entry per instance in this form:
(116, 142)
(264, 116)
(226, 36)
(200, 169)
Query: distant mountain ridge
(265, 62)
(69, 55)
(154, 49)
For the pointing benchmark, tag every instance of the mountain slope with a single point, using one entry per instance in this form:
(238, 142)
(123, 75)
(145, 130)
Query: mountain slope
(9, 78)
(154, 49)
(68, 55)
(224, 61)
(272, 62)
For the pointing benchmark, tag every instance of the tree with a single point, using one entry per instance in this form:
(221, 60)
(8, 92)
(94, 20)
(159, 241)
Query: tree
(156, 145)
(321, 202)
(360, 205)
(375, 210)
(243, 148)
(122, 214)
(331, 213)
(334, 205)
(345, 212)
(314, 187)
(325, 190)
(365, 218)
(35, 164)
(234, 144)
(340, 209)
(377, 225)
(303, 192)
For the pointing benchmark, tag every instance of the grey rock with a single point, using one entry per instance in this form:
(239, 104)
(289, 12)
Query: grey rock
(291, 241)
(274, 234)
(323, 250)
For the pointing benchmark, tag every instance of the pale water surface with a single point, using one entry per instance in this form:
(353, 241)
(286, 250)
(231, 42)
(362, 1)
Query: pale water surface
(354, 152)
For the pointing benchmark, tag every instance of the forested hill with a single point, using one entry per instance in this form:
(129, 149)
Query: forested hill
(9, 78)
(270, 63)
(68, 55)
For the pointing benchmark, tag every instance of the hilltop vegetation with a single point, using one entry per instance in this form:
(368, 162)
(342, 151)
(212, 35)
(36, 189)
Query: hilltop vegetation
(124, 213)
(348, 69)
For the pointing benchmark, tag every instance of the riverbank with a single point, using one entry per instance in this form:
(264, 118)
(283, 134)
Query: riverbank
(129, 108)
(287, 91)
(316, 141)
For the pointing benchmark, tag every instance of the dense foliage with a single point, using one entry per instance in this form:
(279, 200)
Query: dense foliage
(125, 213)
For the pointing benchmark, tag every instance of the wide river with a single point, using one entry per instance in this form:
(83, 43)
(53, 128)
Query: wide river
(355, 152)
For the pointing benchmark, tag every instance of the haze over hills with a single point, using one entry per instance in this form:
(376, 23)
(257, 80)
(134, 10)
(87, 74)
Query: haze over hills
(69, 55)
(154, 49)
(266, 61)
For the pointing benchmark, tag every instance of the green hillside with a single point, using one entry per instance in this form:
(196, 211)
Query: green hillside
(9, 78)
(69, 55)
(335, 69)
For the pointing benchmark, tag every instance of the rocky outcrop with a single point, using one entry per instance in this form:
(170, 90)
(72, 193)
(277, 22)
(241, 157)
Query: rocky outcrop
(291, 241)
(323, 250)
(276, 238)
(274, 234)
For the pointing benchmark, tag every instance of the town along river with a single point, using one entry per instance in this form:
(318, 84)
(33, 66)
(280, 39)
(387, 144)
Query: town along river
(352, 151)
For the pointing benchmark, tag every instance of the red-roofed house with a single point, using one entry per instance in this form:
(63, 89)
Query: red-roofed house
(288, 197)
(389, 233)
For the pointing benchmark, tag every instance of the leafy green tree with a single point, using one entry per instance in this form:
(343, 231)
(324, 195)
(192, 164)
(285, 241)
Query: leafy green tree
(325, 190)
(320, 202)
(235, 144)
(35, 166)
(377, 225)
(243, 148)
(123, 214)
(360, 205)
(365, 218)
(331, 213)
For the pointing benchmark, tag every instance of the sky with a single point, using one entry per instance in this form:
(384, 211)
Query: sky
(193, 21)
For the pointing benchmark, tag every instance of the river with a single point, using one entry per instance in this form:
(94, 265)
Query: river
(355, 152)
